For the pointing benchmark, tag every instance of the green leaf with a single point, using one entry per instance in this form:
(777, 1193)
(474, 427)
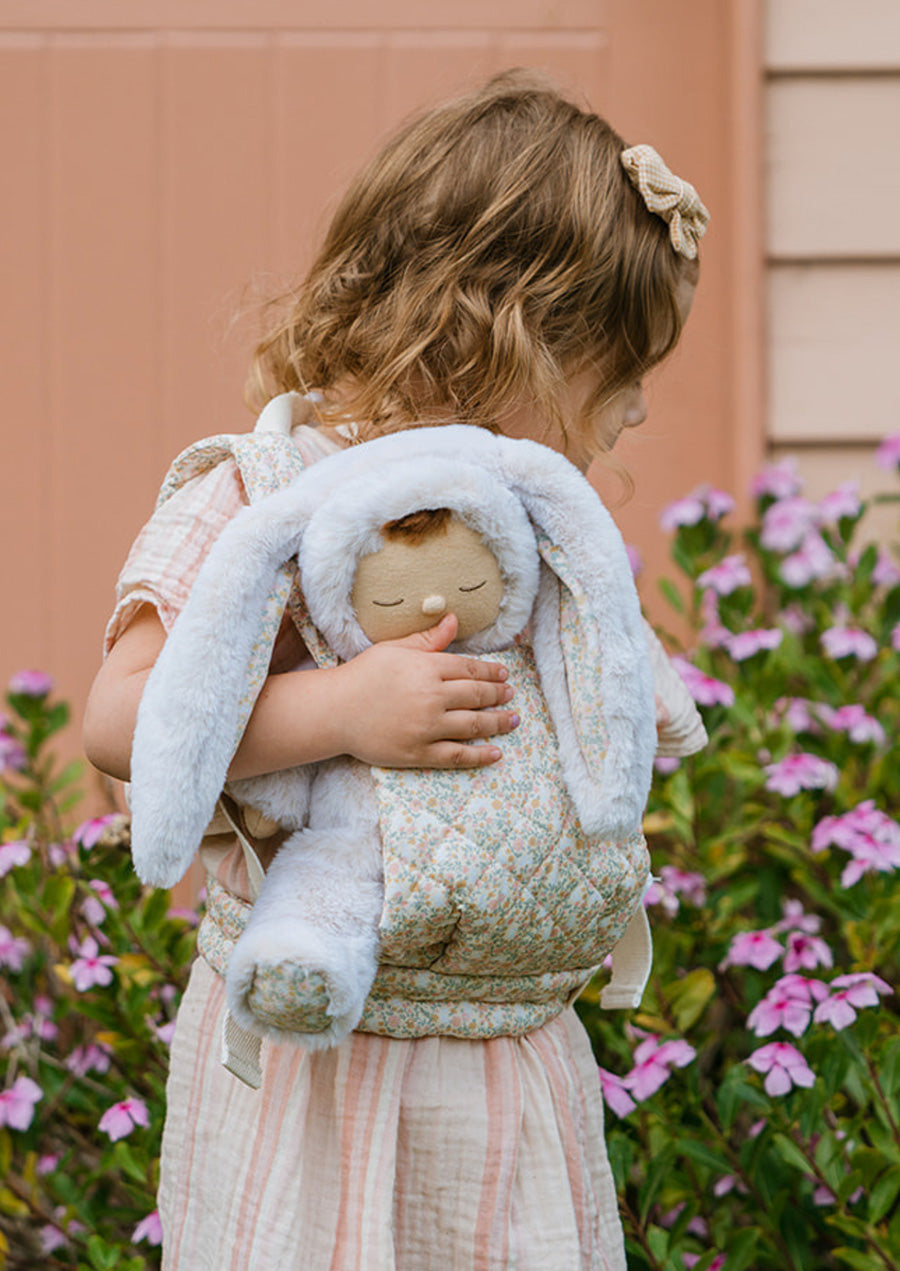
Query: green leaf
(855, 1258)
(706, 1155)
(689, 997)
(884, 1193)
(790, 1153)
(59, 892)
(671, 593)
(741, 1248)
(890, 1067)
(127, 1162)
(658, 1240)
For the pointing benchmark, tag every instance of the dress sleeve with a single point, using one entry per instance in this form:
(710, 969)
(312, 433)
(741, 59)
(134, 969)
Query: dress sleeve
(167, 554)
(679, 728)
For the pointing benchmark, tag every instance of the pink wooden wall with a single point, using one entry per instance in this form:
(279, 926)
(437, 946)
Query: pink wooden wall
(159, 157)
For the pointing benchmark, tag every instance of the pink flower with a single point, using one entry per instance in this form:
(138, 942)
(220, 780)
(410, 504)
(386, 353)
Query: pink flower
(800, 772)
(704, 689)
(93, 1057)
(793, 619)
(885, 573)
(13, 950)
(853, 720)
(47, 1163)
(888, 453)
(718, 502)
(30, 683)
(653, 1063)
(14, 854)
(635, 560)
(666, 764)
(747, 643)
(89, 968)
(752, 948)
(813, 560)
(90, 831)
(119, 1120)
(854, 991)
(780, 480)
(806, 951)
(725, 577)
(788, 1004)
(796, 918)
(12, 754)
(786, 524)
(51, 1238)
(784, 1065)
(728, 1183)
(797, 714)
(94, 907)
(17, 1103)
(673, 883)
(869, 835)
(686, 511)
(848, 642)
(149, 1229)
(778, 1009)
(844, 501)
(615, 1095)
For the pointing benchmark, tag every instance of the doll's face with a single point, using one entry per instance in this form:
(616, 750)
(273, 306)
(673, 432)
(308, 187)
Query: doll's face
(406, 587)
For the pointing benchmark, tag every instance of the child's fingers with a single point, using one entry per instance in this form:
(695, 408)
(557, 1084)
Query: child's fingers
(472, 725)
(455, 666)
(454, 754)
(475, 695)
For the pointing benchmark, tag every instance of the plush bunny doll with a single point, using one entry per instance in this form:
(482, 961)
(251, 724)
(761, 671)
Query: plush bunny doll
(522, 542)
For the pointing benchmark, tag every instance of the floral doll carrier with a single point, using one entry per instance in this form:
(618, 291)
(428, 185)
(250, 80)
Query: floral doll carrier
(499, 905)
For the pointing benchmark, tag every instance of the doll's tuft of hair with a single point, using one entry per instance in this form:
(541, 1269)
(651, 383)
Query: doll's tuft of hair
(490, 250)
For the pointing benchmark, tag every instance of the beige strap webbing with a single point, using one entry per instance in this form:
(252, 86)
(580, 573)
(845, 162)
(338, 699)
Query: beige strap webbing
(241, 1049)
(631, 961)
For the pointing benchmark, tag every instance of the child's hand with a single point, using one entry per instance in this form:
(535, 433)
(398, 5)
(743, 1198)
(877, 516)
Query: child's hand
(406, 704)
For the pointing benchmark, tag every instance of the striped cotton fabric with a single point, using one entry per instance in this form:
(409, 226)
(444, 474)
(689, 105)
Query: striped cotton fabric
(385, 1155)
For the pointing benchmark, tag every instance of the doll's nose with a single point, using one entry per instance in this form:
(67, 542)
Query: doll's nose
(434, 604)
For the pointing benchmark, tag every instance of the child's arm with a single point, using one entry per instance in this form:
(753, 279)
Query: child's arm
(400, 704)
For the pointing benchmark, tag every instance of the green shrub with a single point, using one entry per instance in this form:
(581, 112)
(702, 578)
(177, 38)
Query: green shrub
(94, 969)
(756, 1122)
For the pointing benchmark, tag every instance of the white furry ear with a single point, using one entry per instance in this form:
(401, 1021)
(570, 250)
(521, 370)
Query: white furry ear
(193, 711)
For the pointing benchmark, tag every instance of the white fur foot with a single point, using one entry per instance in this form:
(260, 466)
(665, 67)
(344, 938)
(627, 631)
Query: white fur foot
(293, 981)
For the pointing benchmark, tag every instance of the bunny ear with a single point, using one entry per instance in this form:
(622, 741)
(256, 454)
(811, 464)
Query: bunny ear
(589, 643)
(201, 690)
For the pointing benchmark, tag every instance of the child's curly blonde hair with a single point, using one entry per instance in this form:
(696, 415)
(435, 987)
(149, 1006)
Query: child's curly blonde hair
(493, 248)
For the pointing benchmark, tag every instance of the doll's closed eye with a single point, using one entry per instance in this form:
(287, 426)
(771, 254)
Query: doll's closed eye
(476, 587)
(387, 604)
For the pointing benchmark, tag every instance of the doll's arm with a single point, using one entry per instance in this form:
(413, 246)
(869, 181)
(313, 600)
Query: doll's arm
(400, 704)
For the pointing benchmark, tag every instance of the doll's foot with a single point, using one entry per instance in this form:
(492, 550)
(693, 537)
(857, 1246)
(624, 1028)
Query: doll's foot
(294, 981)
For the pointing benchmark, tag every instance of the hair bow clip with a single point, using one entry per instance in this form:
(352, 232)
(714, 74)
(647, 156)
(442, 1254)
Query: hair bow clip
(668, 196)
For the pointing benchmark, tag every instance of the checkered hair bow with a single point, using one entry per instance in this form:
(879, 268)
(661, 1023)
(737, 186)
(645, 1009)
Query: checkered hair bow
(676, 201)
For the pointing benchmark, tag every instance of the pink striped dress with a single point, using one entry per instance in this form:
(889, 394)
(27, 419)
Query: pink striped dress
(436, 1154)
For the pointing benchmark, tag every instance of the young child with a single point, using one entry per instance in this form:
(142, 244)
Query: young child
(505, 262)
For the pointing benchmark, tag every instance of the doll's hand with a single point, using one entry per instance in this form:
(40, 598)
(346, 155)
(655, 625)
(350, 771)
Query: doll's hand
(407, 704)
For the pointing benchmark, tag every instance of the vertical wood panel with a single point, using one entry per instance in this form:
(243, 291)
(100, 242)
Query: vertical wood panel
(323, 133)
(103, 336)
(218, 224)
(23, 352)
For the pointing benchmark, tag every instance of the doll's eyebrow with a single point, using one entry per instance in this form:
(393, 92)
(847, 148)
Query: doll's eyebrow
(475, 588)
(387, 604)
